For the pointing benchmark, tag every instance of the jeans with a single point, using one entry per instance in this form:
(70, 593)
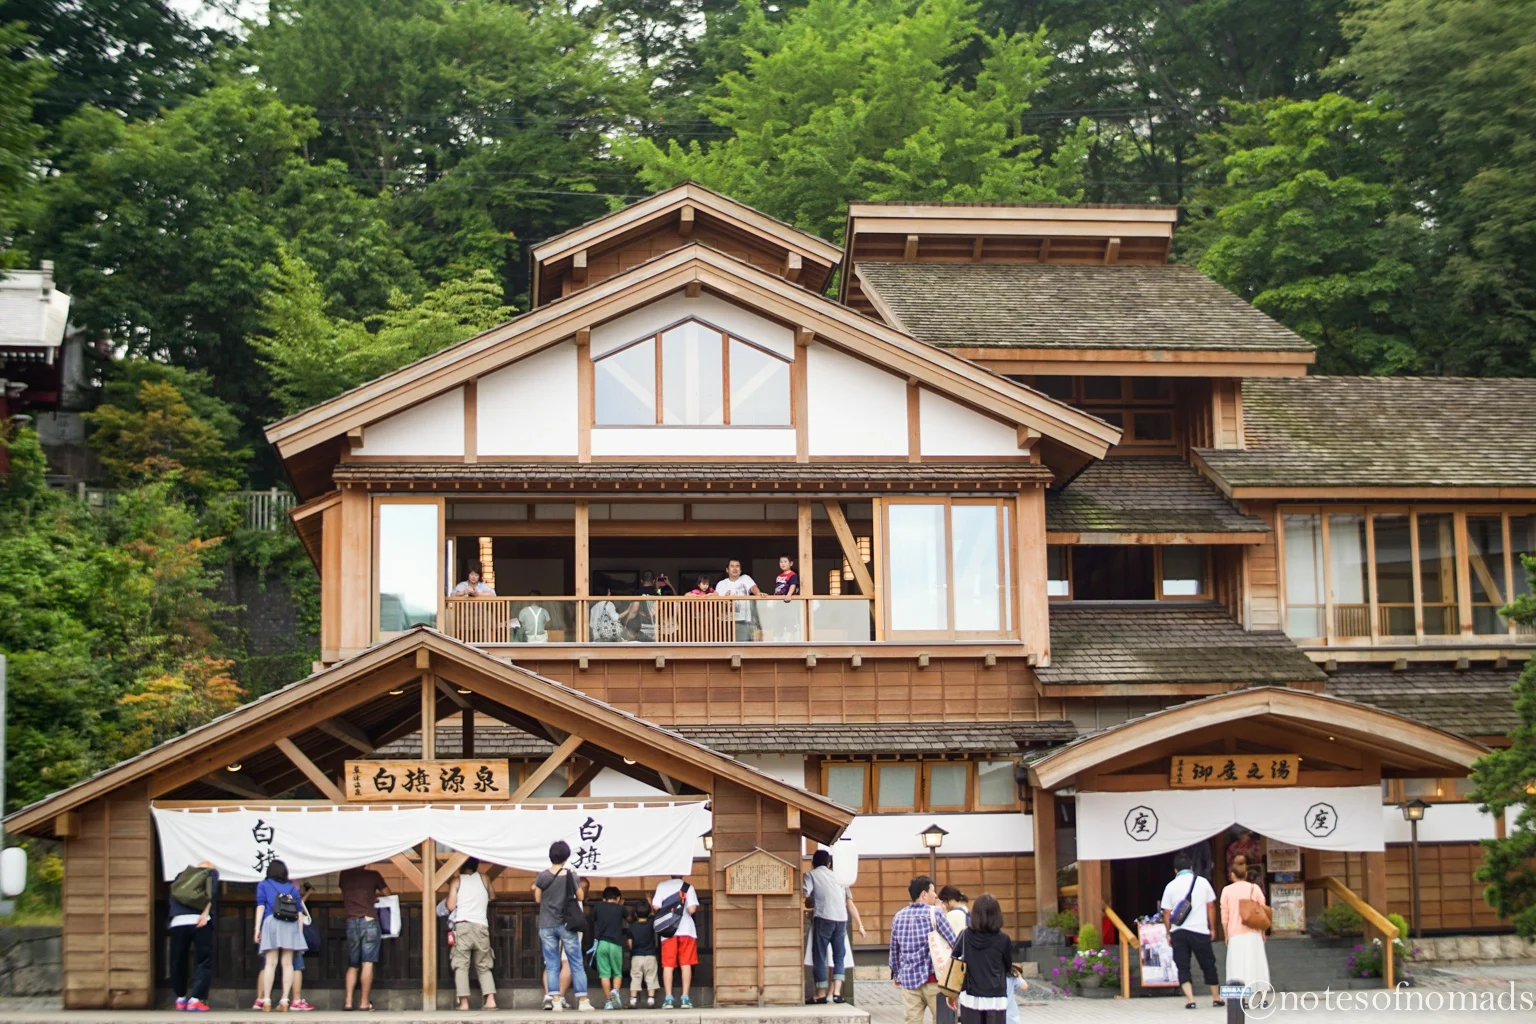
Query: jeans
(200, 942)
(550, 942)
(827, 932)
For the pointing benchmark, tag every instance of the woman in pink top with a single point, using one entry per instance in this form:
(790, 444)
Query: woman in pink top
(1246, 960)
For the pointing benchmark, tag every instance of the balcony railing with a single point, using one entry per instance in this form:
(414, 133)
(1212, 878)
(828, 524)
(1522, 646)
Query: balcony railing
(661, 620)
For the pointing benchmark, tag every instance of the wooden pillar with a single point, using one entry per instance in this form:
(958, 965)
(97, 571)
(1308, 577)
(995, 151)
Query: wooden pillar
(744, 821)
(583, 566)
(355, 593)
(1090, 891)
(1029, 588)
(1046, 896)
(467, 744)
(1375, 881)
(428, 708)
(428, 924)
(330, 584)
(877, 566)
(806, 564)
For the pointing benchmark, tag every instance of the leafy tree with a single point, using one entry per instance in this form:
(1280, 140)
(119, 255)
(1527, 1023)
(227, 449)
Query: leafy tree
(1506, 778)
(157, 436)
(166, 704)
(482, 121)
(21, 76)
(1312, 224)
(1461, 75)
(312, 356)
(161, 230)
(126, 56)
(859, 100)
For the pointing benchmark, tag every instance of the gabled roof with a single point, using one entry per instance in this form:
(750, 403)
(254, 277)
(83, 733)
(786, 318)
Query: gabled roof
(1071, 306)
(234, 736)
(1470, 437)
(1400, 741)
(831, 323)
(1143, 494)
(669, 201)
(1141, 646)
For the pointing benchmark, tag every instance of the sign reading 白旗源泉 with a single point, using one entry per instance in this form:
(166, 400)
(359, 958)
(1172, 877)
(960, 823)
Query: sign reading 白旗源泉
(406, 781)
(1233, 771)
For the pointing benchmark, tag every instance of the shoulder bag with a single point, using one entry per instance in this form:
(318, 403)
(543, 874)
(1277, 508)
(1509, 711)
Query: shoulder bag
(938, 950)
(1180, 912)
(571, 914)
(1253, 913)
(952, 977)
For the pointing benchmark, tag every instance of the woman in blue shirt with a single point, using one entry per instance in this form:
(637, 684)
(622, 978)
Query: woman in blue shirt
(277, 938)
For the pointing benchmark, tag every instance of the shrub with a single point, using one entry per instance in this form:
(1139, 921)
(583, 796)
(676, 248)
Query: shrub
(1335, 922)
(1065, 920)
(1088, 938)
(1367, 959)
(1402, 924)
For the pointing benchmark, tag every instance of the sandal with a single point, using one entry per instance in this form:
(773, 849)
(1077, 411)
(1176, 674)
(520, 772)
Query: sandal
(282, 1006)
(1191, 1006)
(1218, 1002)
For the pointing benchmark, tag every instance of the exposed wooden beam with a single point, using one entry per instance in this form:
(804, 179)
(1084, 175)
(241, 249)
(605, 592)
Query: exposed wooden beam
(803, 336)
(560, 756)
(685, 221)
(229, 782)
(1045, 249)
(850, 547)
(976, 248)
(909, 253)
(583, 779)
(311, 772)
(669, 784)
(355, 438)
(67, 825)
(448, 870)
(341, 729)
(1027, 437)
(452, 693)
(1112, 251)
(693, 288)
(579, 267)
(407, 868)
(793, 265)
(792, 819)
(428, 716)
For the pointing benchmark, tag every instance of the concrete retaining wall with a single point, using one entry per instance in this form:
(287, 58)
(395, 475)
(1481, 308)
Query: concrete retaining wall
(31, 960)
(1470, 948)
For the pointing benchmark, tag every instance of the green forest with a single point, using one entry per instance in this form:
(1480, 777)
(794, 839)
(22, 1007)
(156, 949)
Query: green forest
(252, 217)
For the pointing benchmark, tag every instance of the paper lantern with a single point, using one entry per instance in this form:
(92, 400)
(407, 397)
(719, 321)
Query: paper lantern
(845, 861)
(834, 583)
(13, 871)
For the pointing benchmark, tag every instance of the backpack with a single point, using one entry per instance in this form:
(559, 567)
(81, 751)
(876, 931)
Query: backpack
(191, 888)
(669, 916)
(285, 907)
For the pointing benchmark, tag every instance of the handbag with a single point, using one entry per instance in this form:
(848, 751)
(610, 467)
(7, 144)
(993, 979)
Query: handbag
(1254, 914)
(952, 977)
(938, 949)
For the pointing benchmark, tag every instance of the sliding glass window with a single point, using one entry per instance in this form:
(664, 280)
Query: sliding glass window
(948, 573)
(1384, 576)
(410, 565)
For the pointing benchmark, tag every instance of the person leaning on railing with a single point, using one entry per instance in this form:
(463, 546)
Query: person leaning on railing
(473, 587)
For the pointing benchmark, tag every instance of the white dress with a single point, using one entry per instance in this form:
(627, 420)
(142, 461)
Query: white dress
(1247, 961)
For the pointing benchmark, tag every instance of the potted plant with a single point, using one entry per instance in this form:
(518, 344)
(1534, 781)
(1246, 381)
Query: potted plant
(1368, 959)
(1091, 973)
(1335, 924)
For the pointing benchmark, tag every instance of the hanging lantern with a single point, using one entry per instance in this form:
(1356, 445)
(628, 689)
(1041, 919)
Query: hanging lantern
(847, 570)
(834, 583)
(487, 563)
(864, 550)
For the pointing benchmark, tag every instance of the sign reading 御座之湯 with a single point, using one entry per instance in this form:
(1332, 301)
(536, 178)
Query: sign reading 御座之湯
(1233, 771)
(407, 781)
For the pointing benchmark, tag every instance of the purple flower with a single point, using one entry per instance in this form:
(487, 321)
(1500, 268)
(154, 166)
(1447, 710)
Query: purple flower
(1365, 974)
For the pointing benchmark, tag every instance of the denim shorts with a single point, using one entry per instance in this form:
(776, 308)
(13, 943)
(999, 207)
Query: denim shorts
(362, 941)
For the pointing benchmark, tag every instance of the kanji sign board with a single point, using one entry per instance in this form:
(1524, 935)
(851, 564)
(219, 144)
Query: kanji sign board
(407, 781)
(1233, 771)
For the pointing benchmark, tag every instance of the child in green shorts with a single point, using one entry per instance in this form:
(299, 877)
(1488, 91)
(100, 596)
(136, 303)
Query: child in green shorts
(608, 929)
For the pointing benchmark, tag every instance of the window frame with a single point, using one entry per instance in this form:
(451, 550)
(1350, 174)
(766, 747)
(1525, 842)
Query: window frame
(1012, 803)
(1207, 583)
(1126, 406)
(1460, 561)
(876, 785)
(967, 801)
(1007, 560)
(726, 337)
(923, 782)
(865, 801)
(444, 562)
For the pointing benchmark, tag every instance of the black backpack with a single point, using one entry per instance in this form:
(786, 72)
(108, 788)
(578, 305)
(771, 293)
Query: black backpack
(669, 916)
(285, 907)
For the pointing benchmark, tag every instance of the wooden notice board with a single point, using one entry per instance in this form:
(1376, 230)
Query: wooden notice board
(1233, 771)
(405, 781)
(759, 873)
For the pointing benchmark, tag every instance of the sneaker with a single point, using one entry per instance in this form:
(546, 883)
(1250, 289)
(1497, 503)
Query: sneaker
(260, 1004)
(686, 1004)
(549, 1003)
(557, 1004)
(584, 1005)
(651, 1002)
(301, 1006)
(181, 1002)
(197, 1006)
(666, 1004)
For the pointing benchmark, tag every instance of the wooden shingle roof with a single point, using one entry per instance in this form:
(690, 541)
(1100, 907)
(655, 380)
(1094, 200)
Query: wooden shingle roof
(1144, 494)
(1475, 702)
(1166, 642)
(1387, 432)
(1042, 306)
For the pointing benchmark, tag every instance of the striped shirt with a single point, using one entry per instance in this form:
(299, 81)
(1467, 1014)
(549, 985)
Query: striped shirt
(911, 966)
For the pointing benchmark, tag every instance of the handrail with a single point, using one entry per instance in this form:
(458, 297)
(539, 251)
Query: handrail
(1371, 916)
(1126, 941)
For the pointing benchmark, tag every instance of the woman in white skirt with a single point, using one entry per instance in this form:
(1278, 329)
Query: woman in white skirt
(279, 931)
(1246, 959)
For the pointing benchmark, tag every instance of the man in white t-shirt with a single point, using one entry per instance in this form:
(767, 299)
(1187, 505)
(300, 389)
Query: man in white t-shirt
(681, 948)
(739, 584)
(1193, 936)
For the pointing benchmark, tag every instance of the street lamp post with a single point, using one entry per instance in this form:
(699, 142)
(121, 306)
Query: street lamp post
(1413, 813)
(933, 838)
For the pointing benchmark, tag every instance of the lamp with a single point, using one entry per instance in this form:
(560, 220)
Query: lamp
(847, 570)
(1413, 813)
(933, 838)
(834, 583)
(709, 840)
(864, 549)
(1021, 779)
(233, 767)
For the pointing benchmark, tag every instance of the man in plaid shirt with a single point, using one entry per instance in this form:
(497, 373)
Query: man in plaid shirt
(911, 966)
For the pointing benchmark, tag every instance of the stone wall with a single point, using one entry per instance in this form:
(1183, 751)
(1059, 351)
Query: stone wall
(1442, 949)
(31, 960)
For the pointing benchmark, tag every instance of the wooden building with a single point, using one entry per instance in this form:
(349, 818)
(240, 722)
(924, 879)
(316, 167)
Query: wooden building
(1046, 493)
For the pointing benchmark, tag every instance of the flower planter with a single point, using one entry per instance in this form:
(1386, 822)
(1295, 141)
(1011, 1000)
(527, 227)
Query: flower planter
(1097, 992)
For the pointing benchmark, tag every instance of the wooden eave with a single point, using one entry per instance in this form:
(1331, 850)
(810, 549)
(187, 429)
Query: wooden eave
(1397, 740)
(494, 685)
(1136, 362)
(1356, 492)
(1111, 537)
(664, 206)
(732, 279)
